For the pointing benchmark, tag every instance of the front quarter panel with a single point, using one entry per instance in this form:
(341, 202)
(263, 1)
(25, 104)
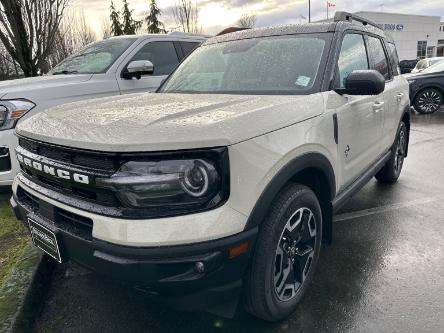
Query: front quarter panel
(256, 162)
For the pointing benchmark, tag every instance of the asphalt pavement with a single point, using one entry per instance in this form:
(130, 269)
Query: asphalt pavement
(384, 271)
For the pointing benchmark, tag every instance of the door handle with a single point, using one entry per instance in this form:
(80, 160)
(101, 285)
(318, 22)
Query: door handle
(378, 106)
(399, 97)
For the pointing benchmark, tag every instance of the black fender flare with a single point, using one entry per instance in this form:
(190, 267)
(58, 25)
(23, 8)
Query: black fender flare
(406, 114)
(284, 175)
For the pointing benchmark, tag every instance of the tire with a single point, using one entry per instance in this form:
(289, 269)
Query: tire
(428, 101)
(267, 295)
(391, 171)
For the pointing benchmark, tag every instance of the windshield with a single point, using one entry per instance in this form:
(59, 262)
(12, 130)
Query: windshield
(266, 65)
(95, 58)
(436, 68)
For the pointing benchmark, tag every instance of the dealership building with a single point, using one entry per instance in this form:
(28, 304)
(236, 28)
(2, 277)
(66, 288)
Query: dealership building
(416, 36)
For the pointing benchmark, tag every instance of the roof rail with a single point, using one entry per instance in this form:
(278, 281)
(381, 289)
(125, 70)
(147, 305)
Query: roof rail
(191, 34)
(230, 30)
(349, 17)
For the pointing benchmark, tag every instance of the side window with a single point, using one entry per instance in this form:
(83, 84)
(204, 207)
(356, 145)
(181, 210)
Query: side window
(394, 60)
(188, 47)
(353, 56)
(162, 54)
(378, 59)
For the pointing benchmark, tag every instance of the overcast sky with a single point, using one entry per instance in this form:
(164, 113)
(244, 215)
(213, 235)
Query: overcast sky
(216, 15)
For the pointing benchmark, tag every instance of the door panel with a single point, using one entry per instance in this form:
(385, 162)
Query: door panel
(360, 129)
(360, 117)
(397, 98)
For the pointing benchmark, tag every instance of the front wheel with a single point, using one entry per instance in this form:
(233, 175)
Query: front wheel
(287, 252)
(428, 101)
(391, 171)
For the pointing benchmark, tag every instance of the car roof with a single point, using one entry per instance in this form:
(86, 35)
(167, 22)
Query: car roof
(340, 23)
(171, 35)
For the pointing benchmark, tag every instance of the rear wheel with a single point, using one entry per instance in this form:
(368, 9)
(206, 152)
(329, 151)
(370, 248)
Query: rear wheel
(391, 171)
(287, 252)
(428, 101)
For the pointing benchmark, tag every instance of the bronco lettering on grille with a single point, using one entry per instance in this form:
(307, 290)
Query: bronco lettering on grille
(53, 171)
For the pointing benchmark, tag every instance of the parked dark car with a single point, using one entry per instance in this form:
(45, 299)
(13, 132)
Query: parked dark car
(407, 65)
(427, 89)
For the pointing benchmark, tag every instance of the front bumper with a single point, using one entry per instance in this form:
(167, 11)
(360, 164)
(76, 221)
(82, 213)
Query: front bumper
(8, 162)
(169, 273)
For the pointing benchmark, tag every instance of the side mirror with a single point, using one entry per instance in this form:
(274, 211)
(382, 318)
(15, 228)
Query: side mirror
(138, 68)
(364, 82)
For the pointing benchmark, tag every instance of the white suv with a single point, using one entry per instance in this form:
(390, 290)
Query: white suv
(114, 66)
(224, 183)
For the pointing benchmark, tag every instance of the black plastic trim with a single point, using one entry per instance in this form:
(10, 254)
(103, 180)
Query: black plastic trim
(335, 128)
(359, 183)
(309, 160)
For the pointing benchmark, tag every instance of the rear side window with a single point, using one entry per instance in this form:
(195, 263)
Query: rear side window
(353, 56)
(394, 60)
(378, 59)
(162, 54)
(188, 48)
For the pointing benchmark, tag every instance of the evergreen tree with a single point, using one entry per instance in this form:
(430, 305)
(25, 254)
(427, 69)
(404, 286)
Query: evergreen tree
(154, 25)
(116, 26)
(129, 25)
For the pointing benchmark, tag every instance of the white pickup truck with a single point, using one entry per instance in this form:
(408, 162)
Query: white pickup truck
(118, 65)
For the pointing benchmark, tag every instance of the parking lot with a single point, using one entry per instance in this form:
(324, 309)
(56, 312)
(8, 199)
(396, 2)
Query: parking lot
(383, 273)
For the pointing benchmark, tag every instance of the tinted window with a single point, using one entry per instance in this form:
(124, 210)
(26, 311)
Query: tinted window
(162, 54)
(378, 60)
(353, 56)
(188, 48)
(394, 59)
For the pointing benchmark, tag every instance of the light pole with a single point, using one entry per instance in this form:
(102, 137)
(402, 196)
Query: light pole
(309, 11)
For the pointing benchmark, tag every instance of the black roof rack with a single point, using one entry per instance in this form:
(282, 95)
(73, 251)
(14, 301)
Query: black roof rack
(349, 17)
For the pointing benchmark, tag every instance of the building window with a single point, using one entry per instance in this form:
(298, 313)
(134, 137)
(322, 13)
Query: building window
(440, 41)
(430, 50)
(422, 49)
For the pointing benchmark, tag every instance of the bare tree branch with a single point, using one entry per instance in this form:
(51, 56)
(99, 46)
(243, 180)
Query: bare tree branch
(247, 21)
(186, 16)
(28, 29)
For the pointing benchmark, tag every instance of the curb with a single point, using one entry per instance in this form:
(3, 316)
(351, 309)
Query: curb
(24, 291)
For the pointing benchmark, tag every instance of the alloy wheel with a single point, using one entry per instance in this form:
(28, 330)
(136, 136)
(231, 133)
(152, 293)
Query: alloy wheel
(294, 254)
(429, 101)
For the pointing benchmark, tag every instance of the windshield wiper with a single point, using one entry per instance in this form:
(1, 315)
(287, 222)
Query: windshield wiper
(64, 72)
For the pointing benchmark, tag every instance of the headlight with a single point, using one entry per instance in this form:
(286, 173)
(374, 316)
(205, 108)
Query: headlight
(186, 184)
(12, 110)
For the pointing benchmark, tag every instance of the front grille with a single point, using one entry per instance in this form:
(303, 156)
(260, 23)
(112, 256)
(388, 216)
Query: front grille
(82, 158)
(5, 159)
(99, 164)
(64, 220)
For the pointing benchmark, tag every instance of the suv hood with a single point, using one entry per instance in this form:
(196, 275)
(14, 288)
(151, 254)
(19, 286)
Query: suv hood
(420, 75)
(154, 122)
(21, 87)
